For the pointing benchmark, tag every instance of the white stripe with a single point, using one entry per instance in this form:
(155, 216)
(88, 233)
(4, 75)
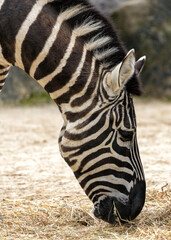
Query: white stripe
(3, 61)
(103, 167)
(3, 77)
(80, 94)
(84, 105)
(4, 69)
(88, 126)
(102, 55)
(108, 178)
(2, 84)
(73, 79)
(31, 17)
(114, 192)
(97, 42)
(87, 84)
(67, 107)
(1, 3)
(69, 13)
(87, 27)
(93, 136)
(68, 143)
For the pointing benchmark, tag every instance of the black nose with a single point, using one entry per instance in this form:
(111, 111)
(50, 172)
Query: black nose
(110, 208)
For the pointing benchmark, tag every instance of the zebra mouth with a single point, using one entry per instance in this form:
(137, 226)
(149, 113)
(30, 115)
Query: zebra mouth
(106, 214)
(111, 209)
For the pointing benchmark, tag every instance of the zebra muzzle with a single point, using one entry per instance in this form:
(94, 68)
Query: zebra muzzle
(111, 209)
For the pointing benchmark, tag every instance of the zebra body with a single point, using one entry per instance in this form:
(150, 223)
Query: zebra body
(76, 56)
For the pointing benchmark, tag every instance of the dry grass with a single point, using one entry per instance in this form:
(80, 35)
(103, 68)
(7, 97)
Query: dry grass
(70, 219)
(42, 199)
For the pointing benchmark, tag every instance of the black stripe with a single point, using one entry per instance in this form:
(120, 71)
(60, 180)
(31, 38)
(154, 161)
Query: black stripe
(36, 37)
(118, 187)
(118, 174)
(136, 158)
(133, 160)
(72, 117)
(123, 151)
(104, 92)
(85, 134)
(70, 162)
(79, 84)
(108, 160)
(60, 80)
(97, 194)
(92, 118)
(4, 73)
(126, 135)
(132, 113)
(119, 115)
(92, 156)
(88, 94)
(55, 54)
(2, 81)
(87, 146)
(126, 113)
(75, 116)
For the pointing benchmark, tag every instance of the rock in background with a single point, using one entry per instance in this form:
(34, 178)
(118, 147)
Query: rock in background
(107, 6)
(19, 86)
(146, 26)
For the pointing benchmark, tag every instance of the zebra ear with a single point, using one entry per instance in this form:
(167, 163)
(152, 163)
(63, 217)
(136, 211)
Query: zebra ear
(140, 64)
(123, 71)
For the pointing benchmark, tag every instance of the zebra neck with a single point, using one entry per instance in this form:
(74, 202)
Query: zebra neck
(80, 95)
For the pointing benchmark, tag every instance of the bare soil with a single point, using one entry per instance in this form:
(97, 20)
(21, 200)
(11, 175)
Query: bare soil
(41, 199)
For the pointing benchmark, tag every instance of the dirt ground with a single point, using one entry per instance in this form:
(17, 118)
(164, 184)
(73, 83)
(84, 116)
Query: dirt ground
(32, 169)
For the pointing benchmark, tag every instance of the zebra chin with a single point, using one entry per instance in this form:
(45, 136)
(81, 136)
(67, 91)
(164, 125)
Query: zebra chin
(110, 208)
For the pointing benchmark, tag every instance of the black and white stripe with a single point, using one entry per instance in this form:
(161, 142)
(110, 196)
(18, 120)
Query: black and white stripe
(71, 50)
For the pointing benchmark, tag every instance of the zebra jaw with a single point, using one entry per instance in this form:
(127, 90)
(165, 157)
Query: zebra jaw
(117, 79)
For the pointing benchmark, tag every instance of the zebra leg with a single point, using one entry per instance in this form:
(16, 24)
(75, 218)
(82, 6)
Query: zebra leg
(4, 71)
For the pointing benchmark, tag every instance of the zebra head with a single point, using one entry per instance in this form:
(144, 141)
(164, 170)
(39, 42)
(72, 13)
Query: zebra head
(102, 148)
(121, 190)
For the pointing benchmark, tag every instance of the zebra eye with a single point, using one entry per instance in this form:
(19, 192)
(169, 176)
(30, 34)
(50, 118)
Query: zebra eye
(125, 135)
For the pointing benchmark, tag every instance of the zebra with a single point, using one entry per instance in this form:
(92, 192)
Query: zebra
(76, 55)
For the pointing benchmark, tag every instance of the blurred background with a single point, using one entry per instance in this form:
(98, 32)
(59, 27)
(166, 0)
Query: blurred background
(144, 25)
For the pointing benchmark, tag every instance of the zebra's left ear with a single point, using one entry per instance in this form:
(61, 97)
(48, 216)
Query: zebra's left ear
(122, 72)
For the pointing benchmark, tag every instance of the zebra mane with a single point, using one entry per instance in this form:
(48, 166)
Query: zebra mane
(101, 38)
